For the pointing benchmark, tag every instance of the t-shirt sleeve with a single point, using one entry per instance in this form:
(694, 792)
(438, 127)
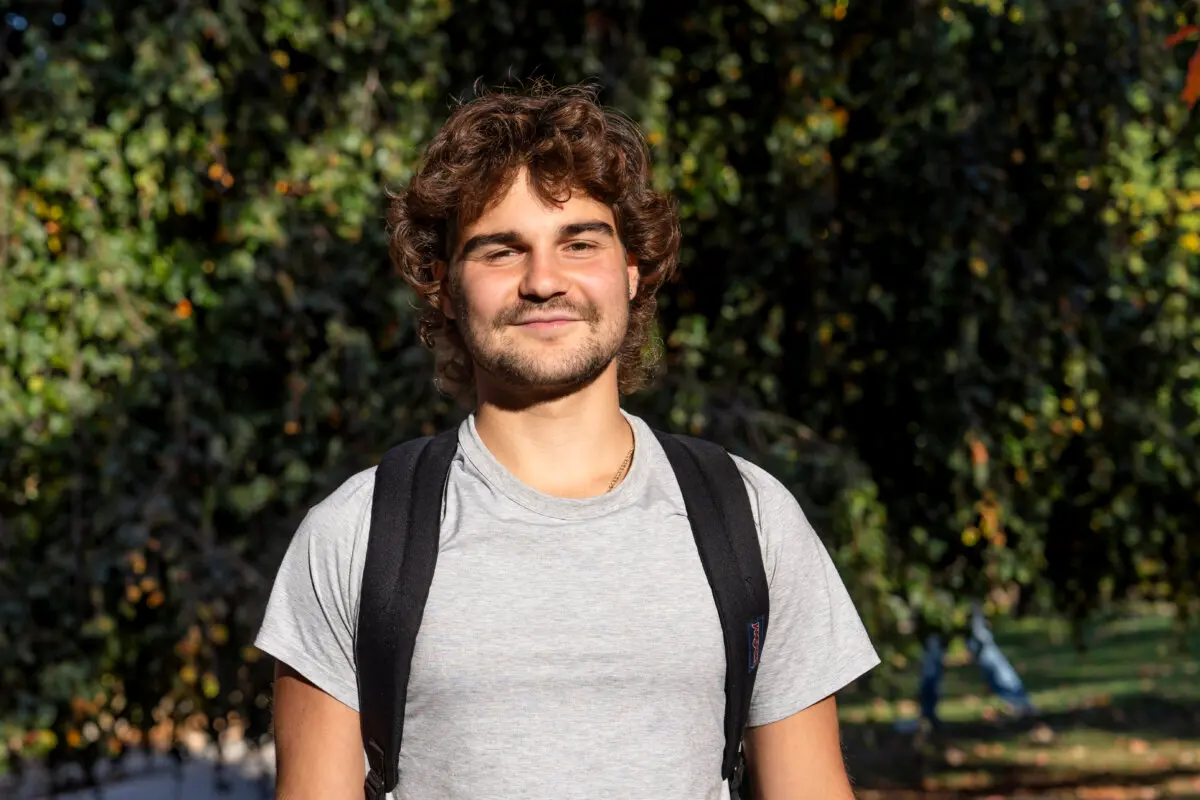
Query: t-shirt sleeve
(312, 613)
(816, 643)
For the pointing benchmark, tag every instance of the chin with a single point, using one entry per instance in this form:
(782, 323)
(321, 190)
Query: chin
(553, 380)
(565, 376)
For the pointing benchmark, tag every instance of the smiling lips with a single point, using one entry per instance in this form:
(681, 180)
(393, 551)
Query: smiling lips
(546, 323)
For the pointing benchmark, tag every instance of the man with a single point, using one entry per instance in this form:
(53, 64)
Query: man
(570, 646)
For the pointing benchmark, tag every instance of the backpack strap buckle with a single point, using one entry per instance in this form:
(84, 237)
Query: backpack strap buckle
(373, 787)
(738, 777)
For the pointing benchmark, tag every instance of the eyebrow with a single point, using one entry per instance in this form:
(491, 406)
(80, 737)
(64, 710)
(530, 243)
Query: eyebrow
(577, 228)
(513, 237)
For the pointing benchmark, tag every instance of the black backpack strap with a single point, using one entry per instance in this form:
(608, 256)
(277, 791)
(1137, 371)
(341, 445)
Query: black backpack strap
(718, 508)
(401, 554)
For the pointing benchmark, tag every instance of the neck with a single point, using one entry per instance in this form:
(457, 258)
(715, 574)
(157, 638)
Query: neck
(570, 445)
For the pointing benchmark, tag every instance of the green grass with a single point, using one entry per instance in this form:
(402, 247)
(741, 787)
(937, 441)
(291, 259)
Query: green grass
(1121, 719)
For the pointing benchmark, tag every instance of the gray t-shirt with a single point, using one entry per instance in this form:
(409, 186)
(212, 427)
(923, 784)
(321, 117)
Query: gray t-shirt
(570, 648)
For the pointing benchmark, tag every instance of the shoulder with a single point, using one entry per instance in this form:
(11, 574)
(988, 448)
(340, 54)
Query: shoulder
(331, 543)
(311, 618)
(775, 509)
(334, 531)
(348, 503)
(764, 488)
(351, 494)
(784, 532)
(773, 503)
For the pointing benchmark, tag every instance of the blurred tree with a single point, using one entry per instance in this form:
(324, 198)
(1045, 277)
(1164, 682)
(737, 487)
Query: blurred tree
(939, 275)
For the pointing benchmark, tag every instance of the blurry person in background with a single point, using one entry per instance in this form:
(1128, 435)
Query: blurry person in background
(998, 672)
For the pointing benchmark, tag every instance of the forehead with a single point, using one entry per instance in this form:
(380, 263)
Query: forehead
(519, 208)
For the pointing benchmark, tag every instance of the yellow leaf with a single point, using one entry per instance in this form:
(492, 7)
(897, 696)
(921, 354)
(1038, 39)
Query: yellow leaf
(989, 519)
(825, 333)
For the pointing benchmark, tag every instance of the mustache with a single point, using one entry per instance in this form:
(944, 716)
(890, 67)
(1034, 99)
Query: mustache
(517, 314)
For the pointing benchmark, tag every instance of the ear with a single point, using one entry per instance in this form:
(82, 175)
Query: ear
(445, 301)
(632, 274)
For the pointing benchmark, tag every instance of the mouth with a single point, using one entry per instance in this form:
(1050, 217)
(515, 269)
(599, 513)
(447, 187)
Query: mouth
(546, 323)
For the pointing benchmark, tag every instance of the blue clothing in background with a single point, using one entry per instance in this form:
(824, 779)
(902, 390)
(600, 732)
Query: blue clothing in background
(999, 673)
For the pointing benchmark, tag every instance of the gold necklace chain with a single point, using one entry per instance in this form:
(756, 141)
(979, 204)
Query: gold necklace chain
(624, 466)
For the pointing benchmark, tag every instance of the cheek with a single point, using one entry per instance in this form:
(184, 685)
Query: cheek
(484, 295)
(607, 289)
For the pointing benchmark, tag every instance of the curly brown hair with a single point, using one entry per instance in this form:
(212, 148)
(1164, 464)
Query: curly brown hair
(568, 143)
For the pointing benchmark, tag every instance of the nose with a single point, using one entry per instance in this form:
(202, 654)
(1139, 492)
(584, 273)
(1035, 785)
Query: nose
(544, 278)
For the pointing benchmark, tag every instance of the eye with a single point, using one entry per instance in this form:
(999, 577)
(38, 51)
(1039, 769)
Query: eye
(580, 247)
(501, 254)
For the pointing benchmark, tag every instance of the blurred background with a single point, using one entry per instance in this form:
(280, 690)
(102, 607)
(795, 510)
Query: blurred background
(940, 275)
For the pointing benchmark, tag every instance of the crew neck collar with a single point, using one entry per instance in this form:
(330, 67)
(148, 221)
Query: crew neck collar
(567, 508)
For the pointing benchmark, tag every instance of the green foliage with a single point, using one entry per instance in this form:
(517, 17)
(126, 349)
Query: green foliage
(940, 273)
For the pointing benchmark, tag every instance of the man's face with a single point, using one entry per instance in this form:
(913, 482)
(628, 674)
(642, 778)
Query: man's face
(541, 292)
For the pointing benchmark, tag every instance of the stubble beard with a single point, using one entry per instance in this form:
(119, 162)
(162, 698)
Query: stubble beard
(493, 348)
